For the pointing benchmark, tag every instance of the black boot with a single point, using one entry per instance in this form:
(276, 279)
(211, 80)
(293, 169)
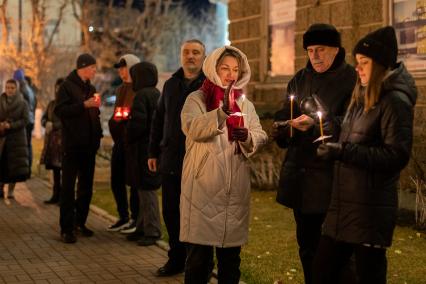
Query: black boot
(55, 196)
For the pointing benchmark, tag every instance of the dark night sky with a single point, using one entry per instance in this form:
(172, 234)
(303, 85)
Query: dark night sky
(194, 6)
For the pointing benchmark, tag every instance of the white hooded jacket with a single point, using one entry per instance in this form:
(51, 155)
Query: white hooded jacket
(215, 198)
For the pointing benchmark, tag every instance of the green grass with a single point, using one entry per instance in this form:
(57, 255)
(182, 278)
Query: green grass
(272, 252)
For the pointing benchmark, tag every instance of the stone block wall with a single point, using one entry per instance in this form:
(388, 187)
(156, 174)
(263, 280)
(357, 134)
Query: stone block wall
(353, 18)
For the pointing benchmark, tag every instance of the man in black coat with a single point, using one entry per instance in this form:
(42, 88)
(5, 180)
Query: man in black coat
(324, 85)
(78, 109)
(167, 146)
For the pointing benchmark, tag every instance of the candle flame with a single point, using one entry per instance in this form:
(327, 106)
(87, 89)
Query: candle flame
(319, 114)
(292, 97)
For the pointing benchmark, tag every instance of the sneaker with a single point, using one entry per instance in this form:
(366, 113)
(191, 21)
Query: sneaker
(68, 238)
(130, 228)
(146, 241)
(117, 226)
(84, 231)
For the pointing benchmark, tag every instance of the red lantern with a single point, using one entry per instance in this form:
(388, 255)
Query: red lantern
(126, 112)
(118, 114)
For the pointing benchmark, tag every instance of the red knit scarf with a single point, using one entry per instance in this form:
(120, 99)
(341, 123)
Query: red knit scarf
(214, 96)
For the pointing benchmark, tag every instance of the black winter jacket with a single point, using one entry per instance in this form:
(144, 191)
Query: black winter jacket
(144, 77)
(376, 147)
(305, 180)
(167, 140)
(124, 98)
(14, 164)
(81, 127)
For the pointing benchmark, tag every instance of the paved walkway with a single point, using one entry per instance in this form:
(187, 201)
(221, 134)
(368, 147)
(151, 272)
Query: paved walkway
(31, 250)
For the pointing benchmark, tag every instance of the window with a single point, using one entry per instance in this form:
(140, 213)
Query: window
(282, 16)
(409, 20)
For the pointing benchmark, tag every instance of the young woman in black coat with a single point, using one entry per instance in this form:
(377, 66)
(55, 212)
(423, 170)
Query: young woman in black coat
(374, 146)
(144, 79)
(51, 156)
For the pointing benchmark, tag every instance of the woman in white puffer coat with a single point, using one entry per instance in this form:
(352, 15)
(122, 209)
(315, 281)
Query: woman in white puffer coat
(215, 196)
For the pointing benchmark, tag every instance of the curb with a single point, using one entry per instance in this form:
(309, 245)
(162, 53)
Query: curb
(105, 215)
(108, 217)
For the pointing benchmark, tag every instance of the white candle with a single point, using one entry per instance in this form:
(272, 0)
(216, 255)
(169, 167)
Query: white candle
(321, 128)
(291, 114)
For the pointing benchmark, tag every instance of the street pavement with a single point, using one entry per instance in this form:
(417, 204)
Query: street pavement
(31, 250)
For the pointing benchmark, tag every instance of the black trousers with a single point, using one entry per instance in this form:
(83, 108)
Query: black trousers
(74, 211)
(308, 232)
(171, 200)
(199, 264)
(333, 256)
(118, 185)
(56, 182)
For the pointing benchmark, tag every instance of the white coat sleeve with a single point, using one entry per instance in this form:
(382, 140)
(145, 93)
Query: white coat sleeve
(197, 124)
(257, 136)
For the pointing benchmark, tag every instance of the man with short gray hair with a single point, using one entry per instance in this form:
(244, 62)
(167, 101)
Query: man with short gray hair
(167, 146)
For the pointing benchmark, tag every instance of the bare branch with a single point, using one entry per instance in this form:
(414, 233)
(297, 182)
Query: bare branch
(56, 27)
(4, 23)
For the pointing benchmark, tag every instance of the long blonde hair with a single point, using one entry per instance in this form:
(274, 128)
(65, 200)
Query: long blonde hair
(370, 94)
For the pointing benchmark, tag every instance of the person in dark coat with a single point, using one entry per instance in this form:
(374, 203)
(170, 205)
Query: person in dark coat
(78, 109)
(374, 146)
(51, 155)
(144, 79)
(117, 127)
(305, 183)
(167, 146)
(13, 143)
(29, 93)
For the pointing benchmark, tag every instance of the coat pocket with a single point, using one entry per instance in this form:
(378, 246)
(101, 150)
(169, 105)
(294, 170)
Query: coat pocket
(202, 164)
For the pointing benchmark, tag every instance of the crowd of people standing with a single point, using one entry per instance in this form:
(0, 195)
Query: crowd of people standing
(349, 129)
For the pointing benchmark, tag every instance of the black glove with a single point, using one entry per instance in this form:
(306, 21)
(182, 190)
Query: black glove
(226, 107)
(329, 151)
(280, 131)
(239, 134)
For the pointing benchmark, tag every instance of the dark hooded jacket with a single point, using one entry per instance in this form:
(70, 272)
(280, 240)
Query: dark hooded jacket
(376, 147)
(167, 140)
(144, 77)
(305, 180)
(14, 165)
(81, 127)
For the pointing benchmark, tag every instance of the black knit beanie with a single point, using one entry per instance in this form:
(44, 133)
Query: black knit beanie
(85, 60)
(380, 45)
(321, 34)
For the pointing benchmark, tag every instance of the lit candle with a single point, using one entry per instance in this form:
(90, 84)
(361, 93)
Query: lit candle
(126, 112)
(291, 114)
(321, 128)
(243, 97)
(97, 97)
(118, 113)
